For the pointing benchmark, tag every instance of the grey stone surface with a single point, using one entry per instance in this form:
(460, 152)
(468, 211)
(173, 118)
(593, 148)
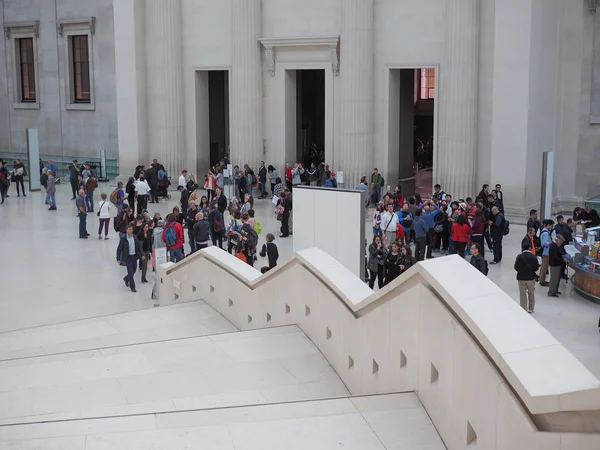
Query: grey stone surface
(62, 132)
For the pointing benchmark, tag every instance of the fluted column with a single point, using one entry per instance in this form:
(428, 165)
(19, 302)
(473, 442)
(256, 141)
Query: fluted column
(246, 84)
(356, 73)
(165, 85)
(457, 160)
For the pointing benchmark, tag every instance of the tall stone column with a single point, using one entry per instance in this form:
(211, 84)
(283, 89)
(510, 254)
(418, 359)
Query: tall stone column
(246, 84)
(457, 159)
(357, 88)
(166, 137)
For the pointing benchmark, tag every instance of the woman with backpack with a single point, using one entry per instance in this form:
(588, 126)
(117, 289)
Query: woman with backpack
(172, 235)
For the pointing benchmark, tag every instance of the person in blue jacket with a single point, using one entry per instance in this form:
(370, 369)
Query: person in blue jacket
(421, 228)
(406, 219)
(430, 209)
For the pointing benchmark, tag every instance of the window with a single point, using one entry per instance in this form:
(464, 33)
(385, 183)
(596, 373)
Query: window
(27, 70)
(76, 39)
(427, 84)
(81, 69)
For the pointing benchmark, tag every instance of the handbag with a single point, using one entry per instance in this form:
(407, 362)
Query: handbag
(100, 209)
(438, 228)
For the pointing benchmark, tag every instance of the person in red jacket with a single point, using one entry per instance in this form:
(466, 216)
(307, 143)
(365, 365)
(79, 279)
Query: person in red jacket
(460, 234)
(172, 236)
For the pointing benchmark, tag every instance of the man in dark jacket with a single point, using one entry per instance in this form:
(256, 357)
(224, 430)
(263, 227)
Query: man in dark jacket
(129, 251)
(534, 242)
(184, 200)
(201, 231)
(496, 223)
(262, 179)
(556, 262)
(526, 266)
(533, 221)
(421, 229)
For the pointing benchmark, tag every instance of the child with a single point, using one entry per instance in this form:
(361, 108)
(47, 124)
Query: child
(269, 249)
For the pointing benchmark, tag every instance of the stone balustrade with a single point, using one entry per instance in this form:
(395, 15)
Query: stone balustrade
(487, 373)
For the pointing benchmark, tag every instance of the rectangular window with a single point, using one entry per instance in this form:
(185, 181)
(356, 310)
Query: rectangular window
(27, 70)
(427, 84)
(81, 69)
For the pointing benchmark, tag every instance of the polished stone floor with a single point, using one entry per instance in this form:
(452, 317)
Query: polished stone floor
(49, 276)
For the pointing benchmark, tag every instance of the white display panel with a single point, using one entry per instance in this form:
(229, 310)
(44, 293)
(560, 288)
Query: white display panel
(33, 155)
(332, 220)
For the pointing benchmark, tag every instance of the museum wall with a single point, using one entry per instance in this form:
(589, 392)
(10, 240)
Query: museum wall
(62, 132)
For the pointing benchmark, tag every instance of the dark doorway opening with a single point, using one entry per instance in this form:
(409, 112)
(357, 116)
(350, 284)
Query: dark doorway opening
(310, 116)
(218, 113)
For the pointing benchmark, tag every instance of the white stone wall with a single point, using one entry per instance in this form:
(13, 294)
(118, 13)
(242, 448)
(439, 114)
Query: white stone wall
(62, 131)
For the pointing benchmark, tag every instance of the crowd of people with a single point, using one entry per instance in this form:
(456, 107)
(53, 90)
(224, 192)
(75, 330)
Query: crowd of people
(405, 229)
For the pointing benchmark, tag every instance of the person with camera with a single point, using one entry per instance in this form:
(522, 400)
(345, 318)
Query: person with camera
(526, 265)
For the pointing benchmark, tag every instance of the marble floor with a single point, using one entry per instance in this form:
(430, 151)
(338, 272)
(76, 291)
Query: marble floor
(49, 276)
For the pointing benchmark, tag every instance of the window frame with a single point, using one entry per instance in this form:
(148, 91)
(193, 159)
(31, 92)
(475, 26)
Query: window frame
(26, 79)
(67, 30)
(13, 33)
(82, 74)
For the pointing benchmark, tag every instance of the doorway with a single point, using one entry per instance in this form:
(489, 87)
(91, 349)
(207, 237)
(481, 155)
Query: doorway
(411, 129)
(305, 116)
(212, 118)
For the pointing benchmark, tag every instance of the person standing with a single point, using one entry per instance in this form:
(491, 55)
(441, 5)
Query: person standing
(19, 173)
(130, 191)
(172, 235)
(533, 221)
(128, 252)
(287, 209)
(460, 235)
(392, 263)
(200, 231)
(51, 191)
(141, 193)
(313, 175)
(4, 177)
(81, 213)
(182, 179)
(272, 178)
(90, 185)
(496, 225)
(556, 261)
(389, 223)
(190, 220)
(73, 177)
(184, 200)
(103, 216)
(420, 228)
(500, 198)
(545, 241)
(477, 259)
(526, 265)
(376, 184)
(262, 179)
(376, 262)
(145, 239)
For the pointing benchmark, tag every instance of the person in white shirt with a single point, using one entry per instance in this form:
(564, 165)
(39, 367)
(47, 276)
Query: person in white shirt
(389, 222)
(182, 179)
(142, 189)
(104, 216)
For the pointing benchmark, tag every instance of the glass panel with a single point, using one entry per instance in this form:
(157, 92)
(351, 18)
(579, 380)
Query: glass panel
(27, 71)
(81, 75)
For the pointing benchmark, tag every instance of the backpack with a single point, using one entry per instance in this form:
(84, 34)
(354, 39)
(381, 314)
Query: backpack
(218, 223)
(170, 235)
(253, 237)
(114, 196)
(257, 227)
(505, 227)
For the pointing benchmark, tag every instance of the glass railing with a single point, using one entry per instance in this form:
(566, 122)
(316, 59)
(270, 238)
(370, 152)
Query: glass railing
(110, 171)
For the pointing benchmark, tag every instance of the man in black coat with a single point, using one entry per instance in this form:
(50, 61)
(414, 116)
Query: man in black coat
(262, 179)
(526, 266)
(556, 262)
(129, 251)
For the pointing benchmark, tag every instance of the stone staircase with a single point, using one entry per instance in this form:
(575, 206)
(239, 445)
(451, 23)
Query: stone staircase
(183, 376)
